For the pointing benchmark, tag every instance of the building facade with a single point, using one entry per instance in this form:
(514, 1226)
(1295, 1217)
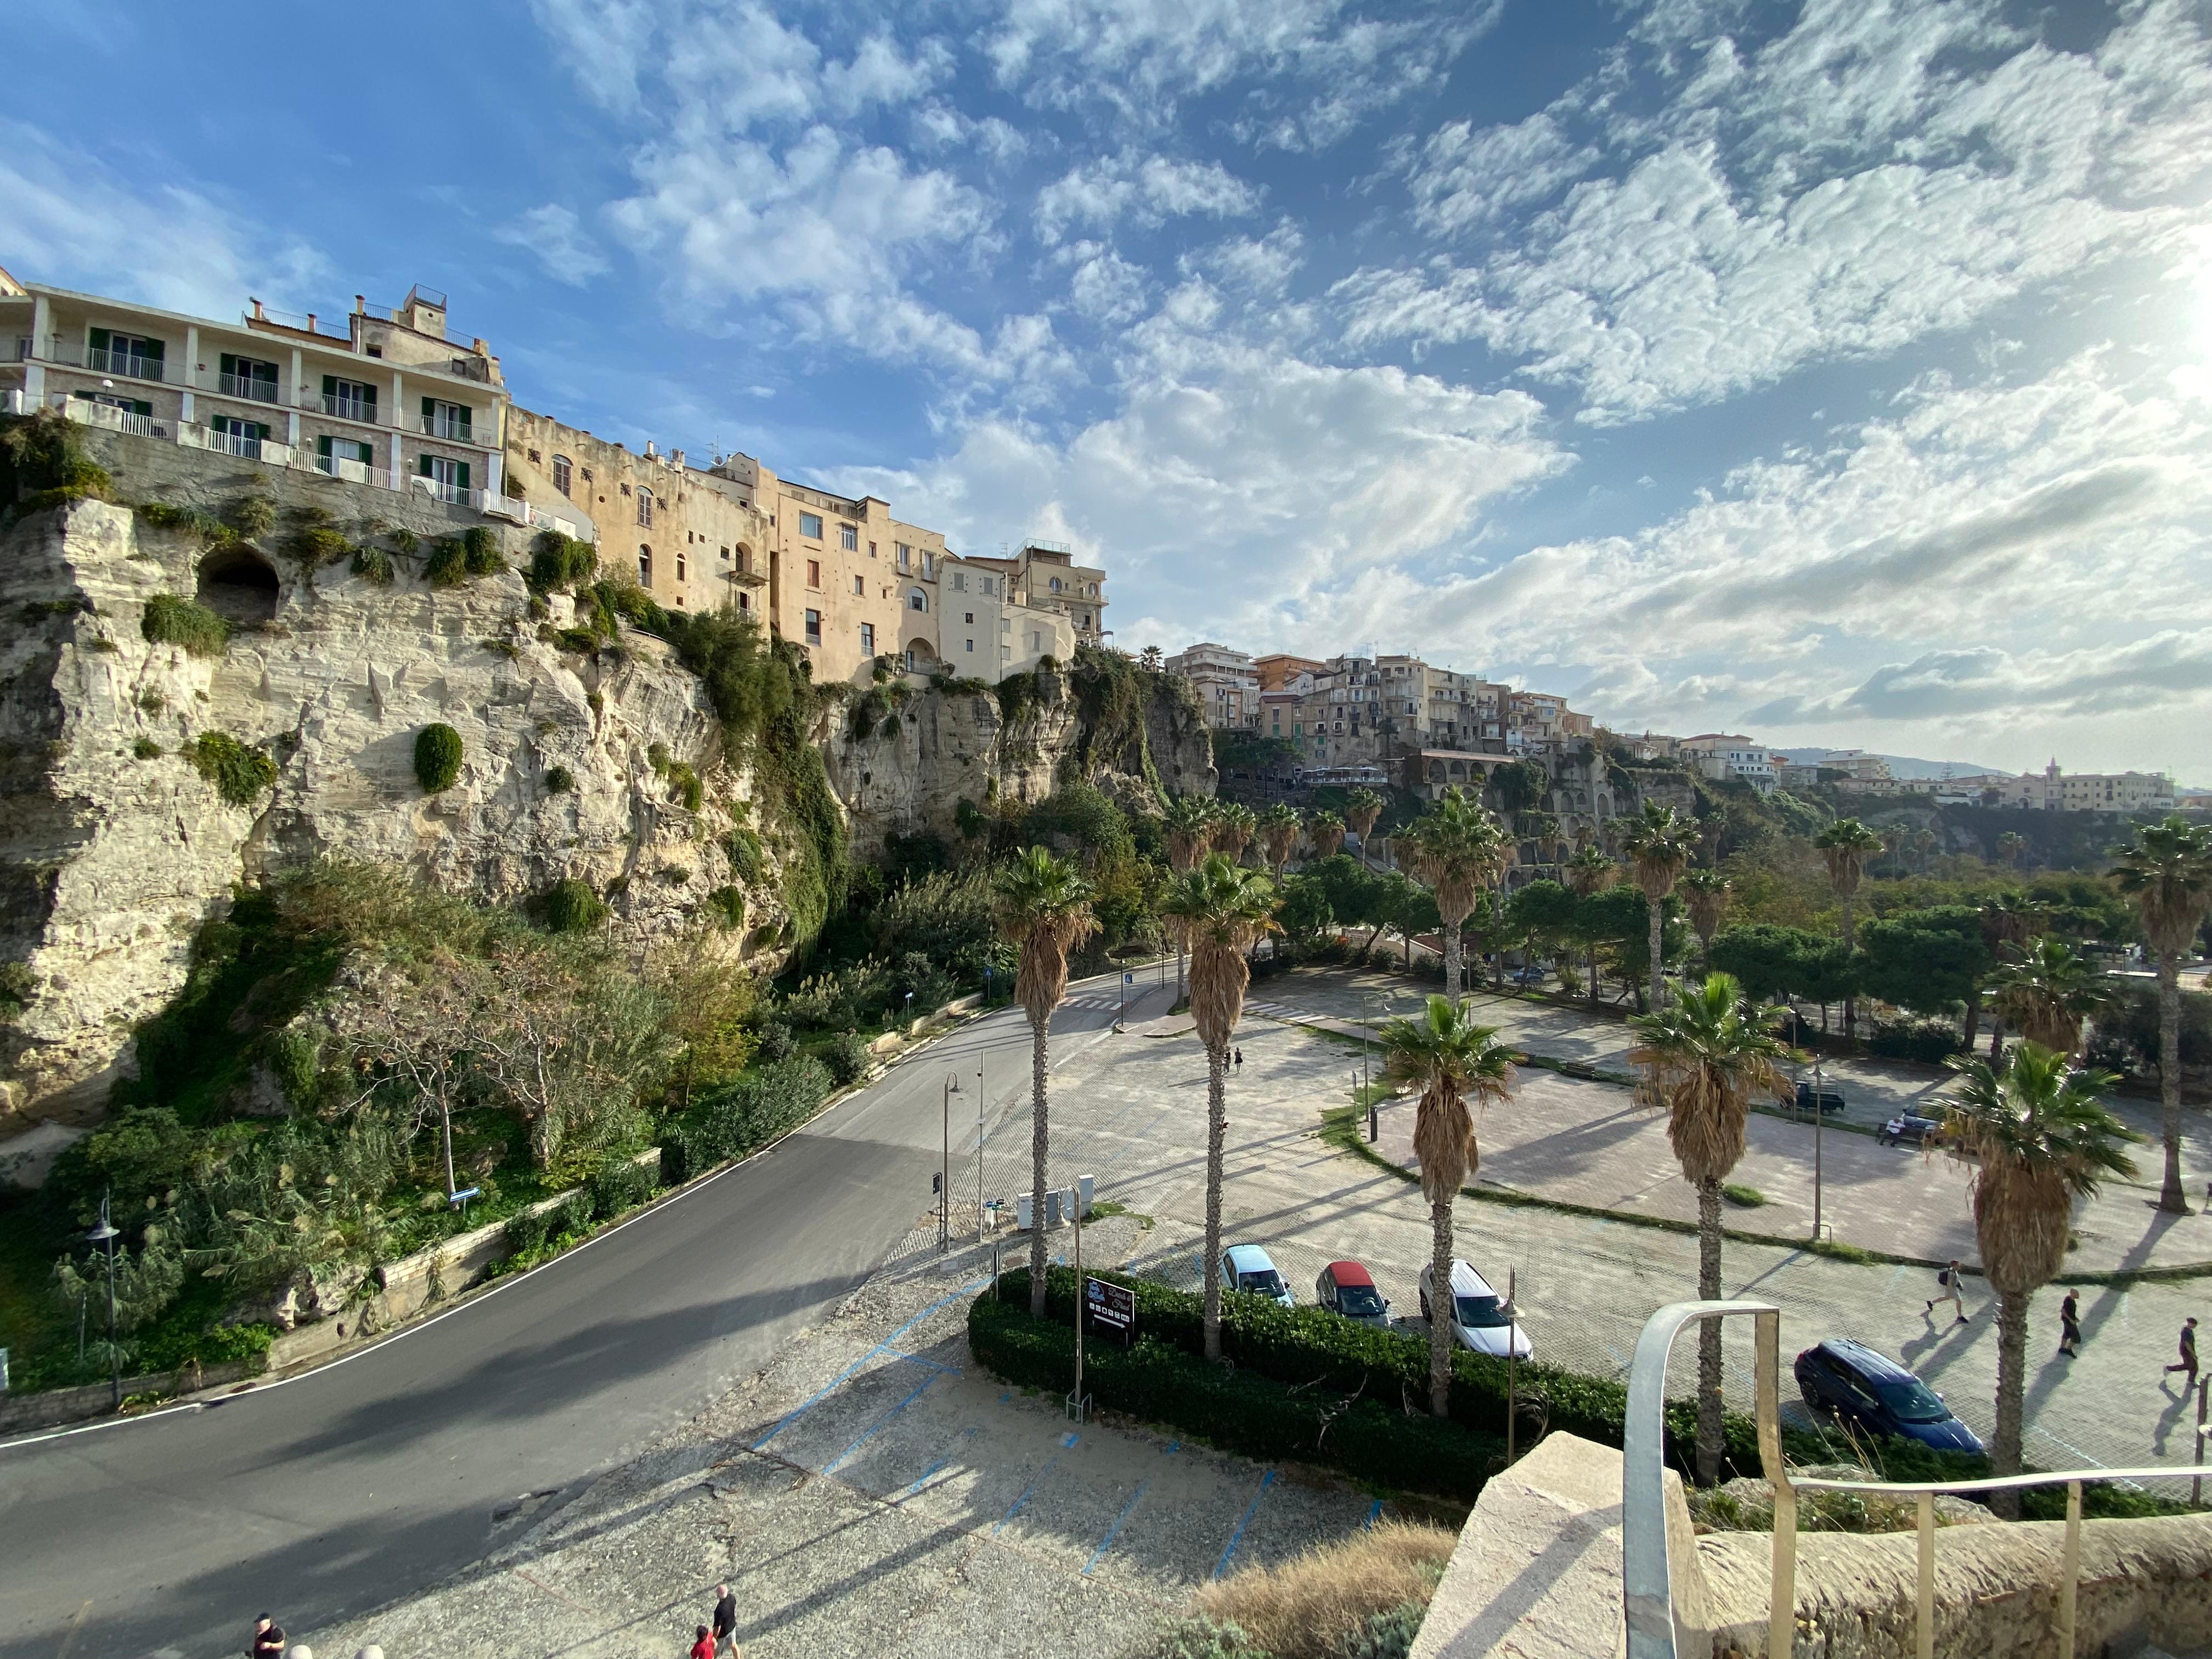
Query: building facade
(1227, 684)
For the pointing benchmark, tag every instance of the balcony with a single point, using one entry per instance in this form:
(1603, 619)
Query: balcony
(452, 431)
(249, 387)
(266, 450)
(99, 361)
(451, 494)
(109, 418)
(350, 409)
(336, 466)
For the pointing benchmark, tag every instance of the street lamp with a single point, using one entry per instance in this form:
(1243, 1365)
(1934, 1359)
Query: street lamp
(104, 1237)
(944, 1171)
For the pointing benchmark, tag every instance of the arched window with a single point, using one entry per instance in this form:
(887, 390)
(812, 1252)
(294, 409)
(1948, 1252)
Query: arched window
(644, 565)
(645, 507)
(561, 471)
(916, 599)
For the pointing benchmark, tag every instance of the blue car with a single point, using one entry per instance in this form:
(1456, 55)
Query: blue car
(1860, 1388)
(1248, 1268)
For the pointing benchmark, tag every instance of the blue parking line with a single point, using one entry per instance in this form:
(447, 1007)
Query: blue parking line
(885, 1346)
(1114, 1531)
(833, 1467)
(931, 1470)
(1236, 1538)
(1171, 1446)
(1026, 1490)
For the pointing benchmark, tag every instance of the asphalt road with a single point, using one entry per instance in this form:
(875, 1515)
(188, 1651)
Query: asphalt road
(368, 1480)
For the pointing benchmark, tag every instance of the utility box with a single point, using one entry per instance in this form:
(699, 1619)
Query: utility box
(1084, 1185)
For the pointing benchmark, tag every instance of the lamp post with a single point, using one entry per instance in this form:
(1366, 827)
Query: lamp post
(944, 1171)
(1817, 1115)
(105, 1236)
(979, 1143)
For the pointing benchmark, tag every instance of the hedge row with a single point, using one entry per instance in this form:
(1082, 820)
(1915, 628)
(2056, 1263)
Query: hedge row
(745, 1115)
(1237, 1410)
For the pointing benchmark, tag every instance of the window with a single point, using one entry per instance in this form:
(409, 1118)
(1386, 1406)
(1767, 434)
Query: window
(449, 479)
(971, 644)
(814, 627)
(744, 601)
(645, 507)
(814, 572)
(848, 538)
(451, 422)
(560, 473)
(644, 565)
(859, 587)
(988, 589)
(1055, 584)
(239, 437)
(916, 599)
(335, 455)
(960, 581)
(726, 552)
(246, 377)
(867, 638)
(872, 550)
(971, 618)
(679, 569)
(809, 526)
(905, 555)
(135, 354)
(1087, 619)
(350, 400)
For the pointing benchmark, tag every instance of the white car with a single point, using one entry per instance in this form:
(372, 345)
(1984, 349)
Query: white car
(1483, 1319)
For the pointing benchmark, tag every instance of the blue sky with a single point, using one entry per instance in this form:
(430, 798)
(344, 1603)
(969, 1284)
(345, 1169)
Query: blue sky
(1841, 373)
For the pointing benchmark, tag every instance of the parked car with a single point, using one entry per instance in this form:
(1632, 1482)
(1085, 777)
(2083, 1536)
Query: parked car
(1906, 1127)
(1482, 1320)
(1860, 1387)
(1248, 1268)
(1825, 1100)
(1348, 1288)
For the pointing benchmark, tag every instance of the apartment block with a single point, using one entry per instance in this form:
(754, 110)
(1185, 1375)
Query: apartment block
(1044, 576)
(1732, 755)
(988, 628)
(1227, 684)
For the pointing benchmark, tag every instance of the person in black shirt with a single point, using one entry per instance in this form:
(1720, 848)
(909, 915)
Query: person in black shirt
(267, 1639)
(725, 1618)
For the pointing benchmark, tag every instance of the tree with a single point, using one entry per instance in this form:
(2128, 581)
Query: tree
(1702, 1061)
(1845, 846)
(1325, 830)
(1452, 1059)
(2010, 846)
(1770, 960)
(1354, 892)
(2037, 1141)
(1188, 827)
(2167, 870)
(1278, 827)
(1223, 911)
(1589, 872)
(1406, 909)
(1659, 845)
(1361, 809)
(1305, 915)
(1542, 912)
(2009, 918)
(1705, 896)
(1152, 660)
(1929, 960)
(1457, 849)
(1044, 912)
(1234, 825)
(1518, 786)
(2049, 991)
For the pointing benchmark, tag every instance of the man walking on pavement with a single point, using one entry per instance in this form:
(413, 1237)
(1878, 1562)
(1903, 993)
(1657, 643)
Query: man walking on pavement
(725, 1618)
(2188, 1364)
(2069, 1325)
(1947, 1282)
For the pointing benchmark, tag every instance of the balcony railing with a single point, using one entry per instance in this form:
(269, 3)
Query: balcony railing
(451, 494)
(110, 418)
(338, 466)
(15, 350)
(247, 386)
(350, 409)
(452, 431)
(100, 361)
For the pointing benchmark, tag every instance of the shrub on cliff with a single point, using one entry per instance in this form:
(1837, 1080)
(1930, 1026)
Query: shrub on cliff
(251, 515)
(480, 552)
(559, 780)
(41, 464)
(171, 620)
(558, 564)
(437, 758)
(447, 565)
(240, 774)
(571, 907)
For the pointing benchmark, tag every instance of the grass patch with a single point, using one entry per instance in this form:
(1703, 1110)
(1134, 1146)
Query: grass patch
(240, 773)
(1736, 1193)
(1106, 1207)
(1334, 1599)
(171, 620)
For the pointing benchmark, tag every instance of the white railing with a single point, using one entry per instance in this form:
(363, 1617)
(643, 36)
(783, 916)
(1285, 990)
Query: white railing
(350, 409)
(360, 472)
(451, 494)
(101, 362)
(112, 419)
(245, 385)
(453, 432)
(1647, 1590)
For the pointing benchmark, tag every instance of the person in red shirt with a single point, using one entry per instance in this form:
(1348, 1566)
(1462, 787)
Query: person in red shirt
(704, 1647)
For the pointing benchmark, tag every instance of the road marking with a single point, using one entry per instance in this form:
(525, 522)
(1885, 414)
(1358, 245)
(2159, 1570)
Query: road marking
(1026, 1490)
(885, 1346)
(832, 1467)
(1171, 1446)
(76, 1624)
(1114, 1531)
(1238, 1537)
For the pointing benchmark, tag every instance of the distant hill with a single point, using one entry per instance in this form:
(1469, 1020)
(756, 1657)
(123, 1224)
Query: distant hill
(1902, 766)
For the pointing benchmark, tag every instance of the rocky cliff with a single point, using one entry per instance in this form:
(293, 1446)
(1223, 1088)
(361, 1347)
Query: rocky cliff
(116, 841)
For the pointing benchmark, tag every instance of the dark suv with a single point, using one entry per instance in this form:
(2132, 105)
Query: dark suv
(1864, 1390)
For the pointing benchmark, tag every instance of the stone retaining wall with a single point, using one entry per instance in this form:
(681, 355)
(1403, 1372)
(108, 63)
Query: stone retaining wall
(20, 1414)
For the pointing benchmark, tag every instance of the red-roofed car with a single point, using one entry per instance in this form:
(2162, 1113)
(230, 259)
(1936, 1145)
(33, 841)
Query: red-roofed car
(1348, 1288)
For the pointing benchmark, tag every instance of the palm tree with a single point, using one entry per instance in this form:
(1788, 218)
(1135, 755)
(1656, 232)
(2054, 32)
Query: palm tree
(1590, 871)
(1453, 1060)
(2011, 845)
(1659, 845)
(1845, 846)
(1044, 911)
(1361, 808)
(2038, 1141)
(1457, 849)
(1326, 831)
(1234, 823)
(2167, 870)
(1223, 911)
(1702, 1061)
(2047, 994)
(1279, 835)
(1152, 660)
(1188, 825)
(1705, 894)
(2009, 919)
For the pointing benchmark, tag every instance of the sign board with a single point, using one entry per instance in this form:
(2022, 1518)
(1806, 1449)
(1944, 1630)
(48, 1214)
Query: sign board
(1128, 978)
(1113, 1306)
(466, 1192)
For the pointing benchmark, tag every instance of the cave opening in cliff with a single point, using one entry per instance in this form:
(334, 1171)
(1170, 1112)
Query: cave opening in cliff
(239, 585)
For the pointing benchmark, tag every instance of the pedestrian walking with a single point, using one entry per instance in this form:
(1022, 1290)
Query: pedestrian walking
(725, 1618)
(1240, 1062)
(1946, 1283)
(267, 1639)
(2187, 1366)
(704, 1647)
(2069, 1325)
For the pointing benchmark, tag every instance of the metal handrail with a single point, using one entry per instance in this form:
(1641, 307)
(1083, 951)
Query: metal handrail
(1647, 1595)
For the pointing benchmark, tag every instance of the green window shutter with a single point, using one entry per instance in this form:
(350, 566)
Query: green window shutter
(330, 386)
(140, 406)
(461, 474)
(229, 364)
(259, 429)
(429, 412)
(423, 464)
(323, 445)
(368, 401)
(100, 339)
(155, 351)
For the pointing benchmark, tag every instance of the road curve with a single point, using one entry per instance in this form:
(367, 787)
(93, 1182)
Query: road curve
(350, 1487)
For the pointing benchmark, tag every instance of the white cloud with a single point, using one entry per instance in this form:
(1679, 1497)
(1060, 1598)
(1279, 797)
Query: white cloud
(73, 222)
(1104, 286)
(1147, 192)
(561, 243)
(1878, 173)
(1261, 266)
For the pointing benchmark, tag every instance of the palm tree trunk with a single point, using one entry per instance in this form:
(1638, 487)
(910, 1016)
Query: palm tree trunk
(1658, 909)
(1217, 1128)
(1452, 953)
(1997, 1037)
(1709, 1332)
(1039, 1145)
(1850, 997)
(1593, 971)
(2171, 1198)
(2012, 1374)
(1440, 1308)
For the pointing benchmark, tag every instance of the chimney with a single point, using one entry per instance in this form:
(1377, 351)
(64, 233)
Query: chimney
(310, 322)
(256, 311)
(360, 305)
(651, 453)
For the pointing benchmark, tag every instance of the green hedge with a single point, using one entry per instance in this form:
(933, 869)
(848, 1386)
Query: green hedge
(437, 758)
(746, 1115)
(1237, 1410)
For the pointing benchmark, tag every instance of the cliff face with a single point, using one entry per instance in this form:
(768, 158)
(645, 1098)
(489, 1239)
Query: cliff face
(114, 847)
